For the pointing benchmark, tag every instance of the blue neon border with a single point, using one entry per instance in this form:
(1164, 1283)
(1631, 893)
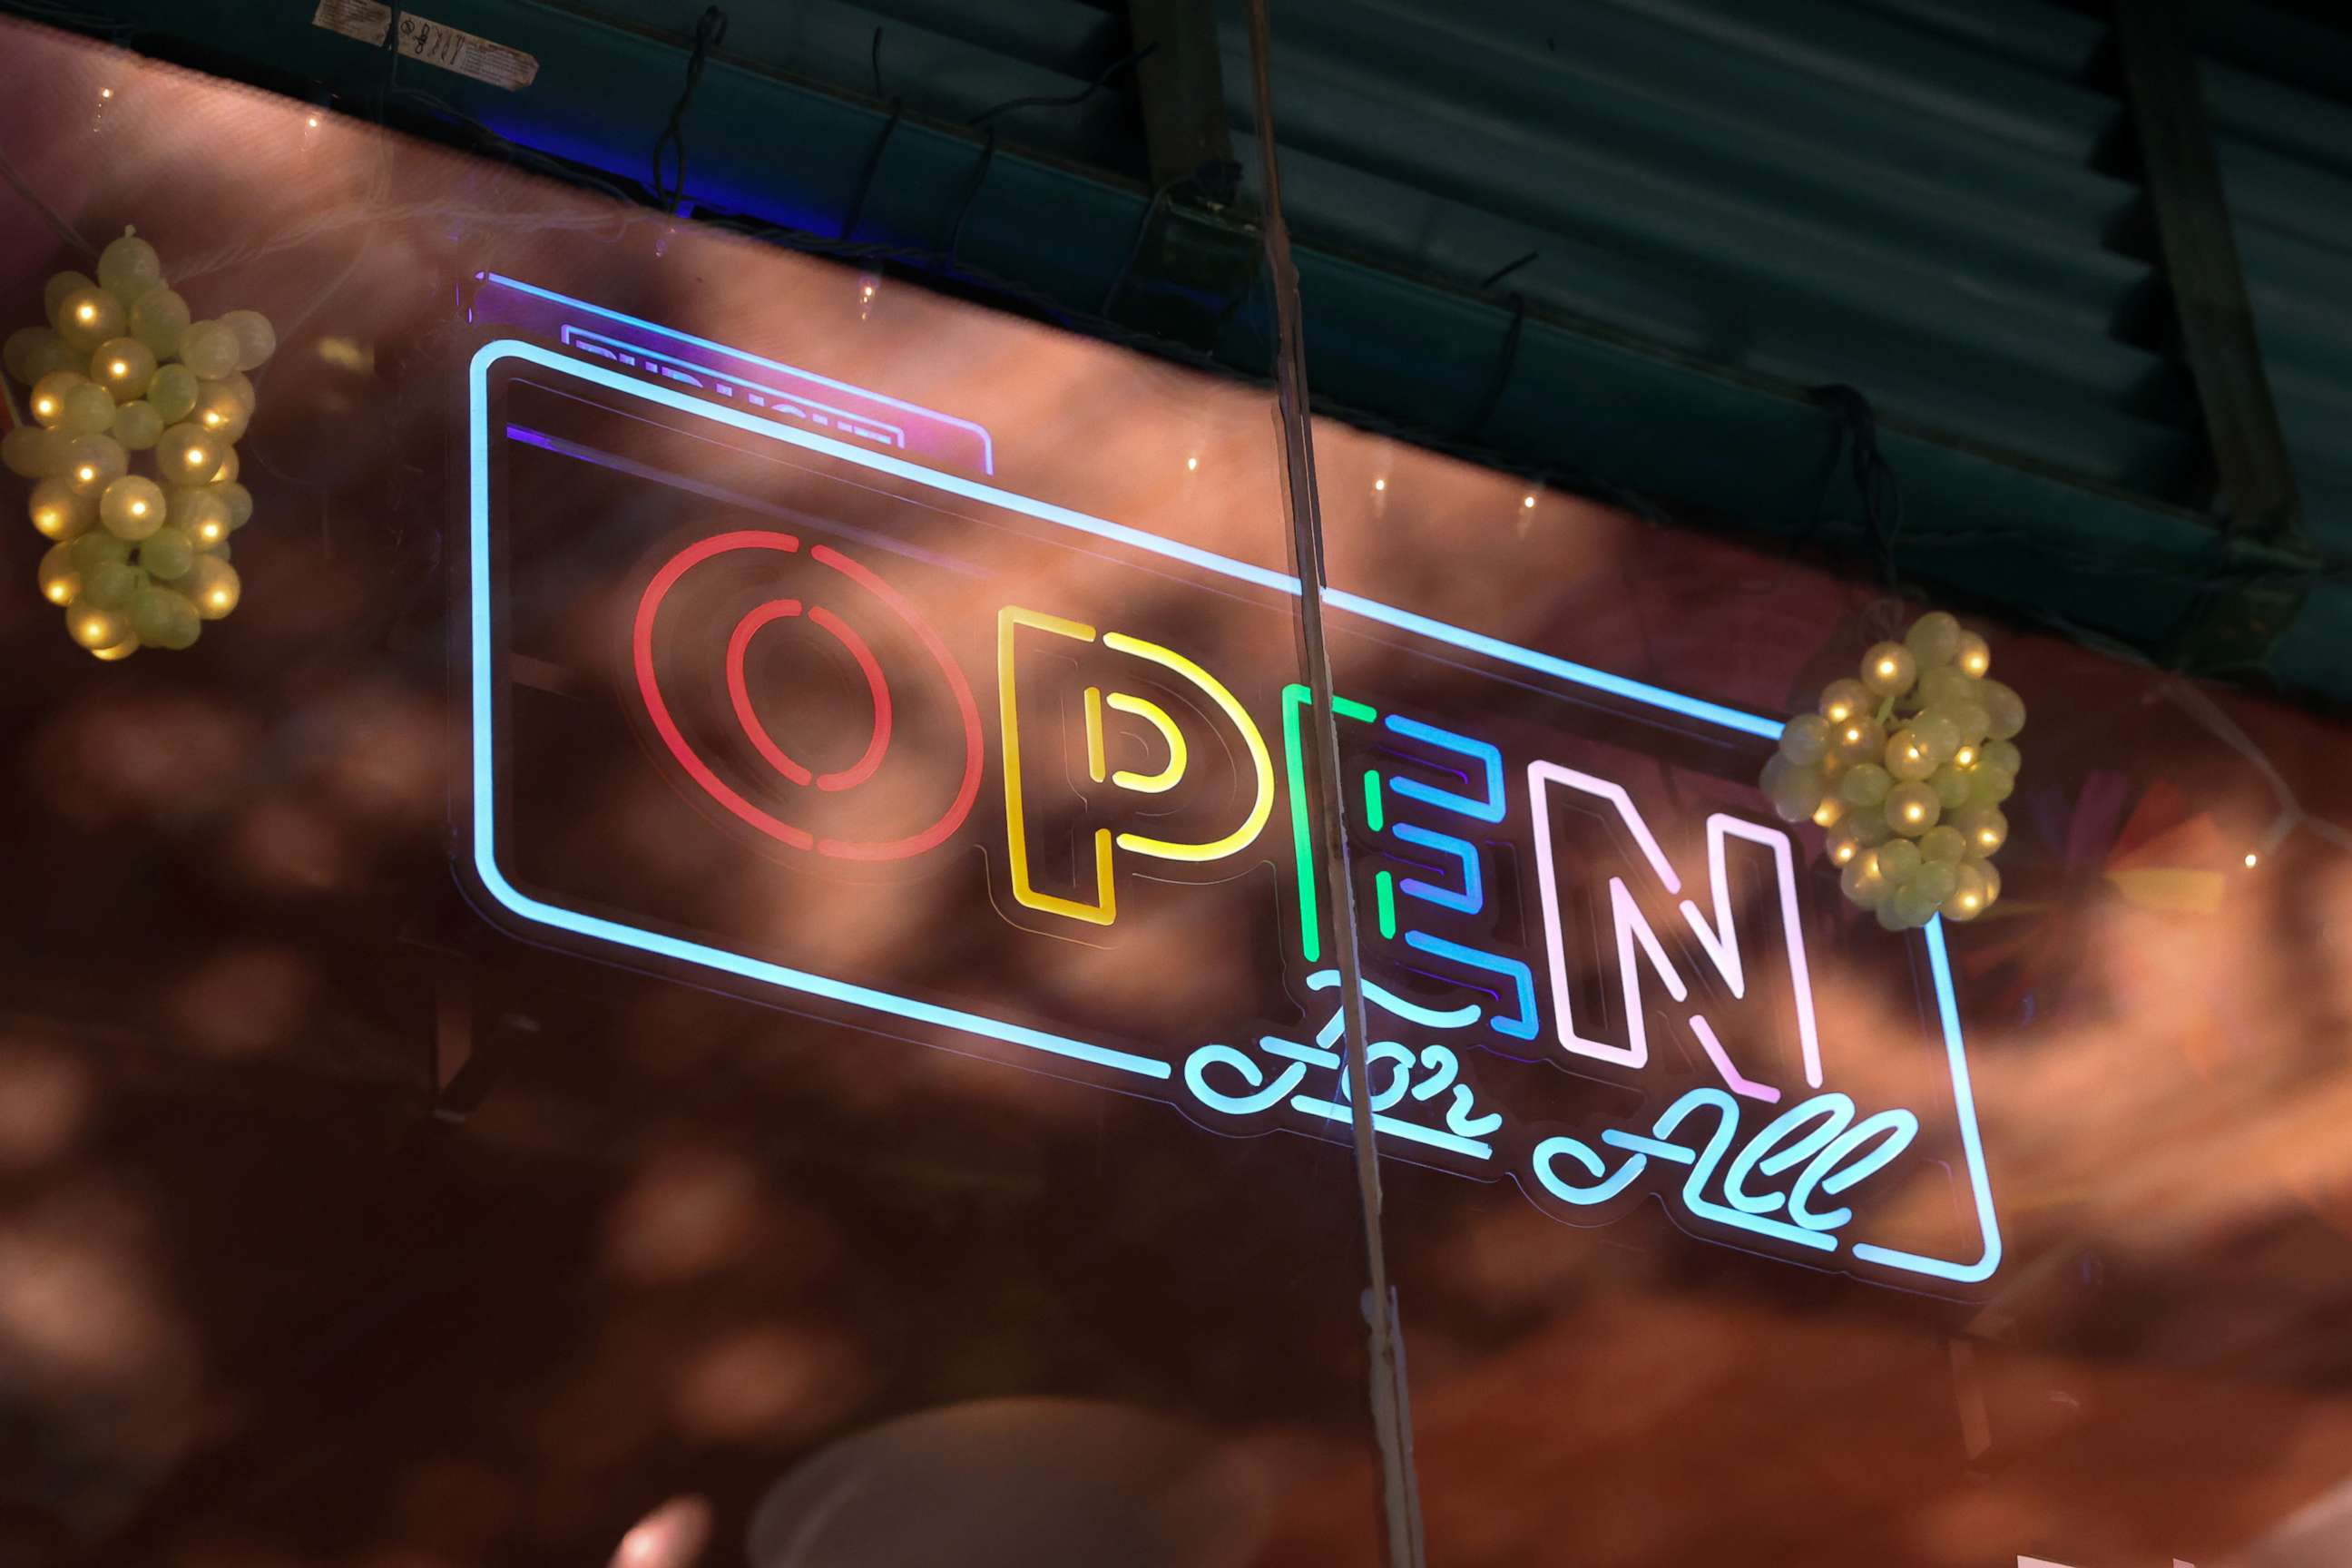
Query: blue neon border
(494, 881)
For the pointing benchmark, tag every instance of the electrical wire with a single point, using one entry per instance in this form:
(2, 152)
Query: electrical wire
(1070, 100)
(710, 32)
(972, 195)
(857, 208)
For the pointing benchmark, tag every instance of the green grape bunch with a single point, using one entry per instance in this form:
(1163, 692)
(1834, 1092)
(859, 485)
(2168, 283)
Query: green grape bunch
(123, 374)
(1906, 768)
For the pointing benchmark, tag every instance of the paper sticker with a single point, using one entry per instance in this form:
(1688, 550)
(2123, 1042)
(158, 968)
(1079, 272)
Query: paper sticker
(434, 43)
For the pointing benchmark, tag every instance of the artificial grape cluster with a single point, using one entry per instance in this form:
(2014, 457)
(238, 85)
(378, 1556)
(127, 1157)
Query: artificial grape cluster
(120, 370)
(1907, 767)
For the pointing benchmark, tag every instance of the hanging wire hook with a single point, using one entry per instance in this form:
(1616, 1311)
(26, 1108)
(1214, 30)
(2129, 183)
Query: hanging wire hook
(1875, 480)
(708, 34)
(1068, 101)
(1509, 360)
(971, 196)
(881, 145)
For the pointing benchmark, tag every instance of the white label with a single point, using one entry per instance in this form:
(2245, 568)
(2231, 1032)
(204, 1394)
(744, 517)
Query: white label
(434, 43)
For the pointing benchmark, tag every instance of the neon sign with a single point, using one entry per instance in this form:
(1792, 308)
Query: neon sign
(1573, 982)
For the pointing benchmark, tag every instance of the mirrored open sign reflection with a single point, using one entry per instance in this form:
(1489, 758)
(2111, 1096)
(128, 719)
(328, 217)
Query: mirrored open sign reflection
(963, 763)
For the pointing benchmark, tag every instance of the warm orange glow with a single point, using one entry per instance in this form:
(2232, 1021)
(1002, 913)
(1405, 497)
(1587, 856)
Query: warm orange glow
(1191, 465)
(1886, 667)
(121, 650)
(117, 367)
(86, 313)
(85, 473)
(217, 598)
(1828, 812)
(58, 592)
(1841, 853)
(44, 406)
(1379, 484)
(1528, 502)
(1915, 811)
(139, 509)
(1966, 757)
(2251, 858)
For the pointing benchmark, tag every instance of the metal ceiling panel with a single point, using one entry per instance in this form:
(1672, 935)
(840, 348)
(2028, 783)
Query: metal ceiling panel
(2287, 157)
(1730, 201)
(1709, 175)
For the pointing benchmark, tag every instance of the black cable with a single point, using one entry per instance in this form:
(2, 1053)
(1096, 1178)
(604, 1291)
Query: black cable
(1873, 477)
(1504, 365)
(1505, 271)
(391, 61)
(1501, 380)
(710, 32)
(1070, 100)
(972, 195)
(873, 166)
(881, 144)
(1135, 246)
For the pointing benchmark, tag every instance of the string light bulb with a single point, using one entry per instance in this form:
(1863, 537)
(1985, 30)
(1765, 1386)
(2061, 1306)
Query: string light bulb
(1973, 656)
(129, 267)
(212, 586)
(59, 514)
(87, 317)
(96, 629)
(132, 506)
(1842, 700)
(1913, 808)
(94, 462)
(2253, 859)
(60, 576)
(1528, 500)
(1380, 485)
(123, 367)
(209, 350)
